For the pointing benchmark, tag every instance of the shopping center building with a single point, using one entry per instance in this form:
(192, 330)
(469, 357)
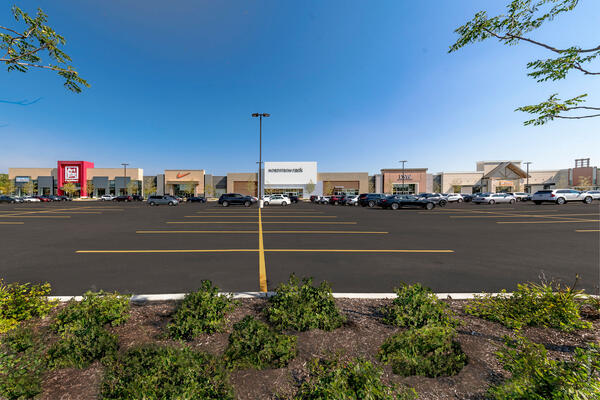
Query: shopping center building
(88, 180)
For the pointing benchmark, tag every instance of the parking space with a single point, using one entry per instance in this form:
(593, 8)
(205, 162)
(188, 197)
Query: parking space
(135, 248)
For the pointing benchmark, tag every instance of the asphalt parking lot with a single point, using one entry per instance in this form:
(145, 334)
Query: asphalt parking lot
(134, 248)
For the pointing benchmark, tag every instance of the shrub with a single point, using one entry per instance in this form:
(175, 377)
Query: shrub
(200, 312)
(416, 306)
(302, 306)
(20, 302)
(546, 305)
(536, 377)
(22, 365)
(353, 380)
(96, 308)
(81, 345)
(253, 344)
(153, 372)
(428, 351)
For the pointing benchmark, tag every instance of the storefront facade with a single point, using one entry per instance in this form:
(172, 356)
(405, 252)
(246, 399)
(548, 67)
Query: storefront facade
(406, 181)
(180, 182)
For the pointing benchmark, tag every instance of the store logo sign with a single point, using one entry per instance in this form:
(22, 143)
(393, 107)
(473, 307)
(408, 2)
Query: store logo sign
(286, 170)
(72, 174)
(404, 176)
(22, 179)
(180, 175)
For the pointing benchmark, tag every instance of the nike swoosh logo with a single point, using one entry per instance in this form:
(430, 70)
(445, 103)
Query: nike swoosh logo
(180, 175)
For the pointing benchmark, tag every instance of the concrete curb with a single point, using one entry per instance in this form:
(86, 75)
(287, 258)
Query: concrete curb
(143, 298)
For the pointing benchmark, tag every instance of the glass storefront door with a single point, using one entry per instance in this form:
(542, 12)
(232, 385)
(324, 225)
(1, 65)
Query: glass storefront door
(408, 188)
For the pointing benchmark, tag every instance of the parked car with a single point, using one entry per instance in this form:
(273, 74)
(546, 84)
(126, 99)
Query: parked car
(314, 198)
(126, 198)
(467, 197)
(561, 196)
(337, 199)
(278, 199)
(370, 199)
(65, 198)
(197, 199)
(453, 197)
(493, 198)
(7, 199)
(43, 199)
(520, 196)
(324, 200)
(137, 197)
(18, 199)
(397, 201)
(293, 198)
(437, 198)
(594, 193)
(107, 197)
(352, 200)
(30, 199)
(228, 199)
(54, 197)
(164, 200)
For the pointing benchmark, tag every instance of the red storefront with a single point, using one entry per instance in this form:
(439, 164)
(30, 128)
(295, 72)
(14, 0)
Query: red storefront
(73, 172)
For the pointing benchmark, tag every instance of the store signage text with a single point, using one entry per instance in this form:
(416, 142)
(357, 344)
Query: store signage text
(21, 179)
(405, 176)
(72, 174)
(180, 175)
(285, 170)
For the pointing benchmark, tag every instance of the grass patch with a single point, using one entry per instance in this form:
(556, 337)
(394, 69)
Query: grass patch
(536, 377)
(416, 306)
(300, 306)
(253, 344)
(428, 351)
(81, 325)
(546, 305)
(22, 365)
(154, 372)
(351, 380)
(202, 311)
(21, 302)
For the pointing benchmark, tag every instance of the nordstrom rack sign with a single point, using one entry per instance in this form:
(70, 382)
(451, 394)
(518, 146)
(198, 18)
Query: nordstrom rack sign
(290, 173)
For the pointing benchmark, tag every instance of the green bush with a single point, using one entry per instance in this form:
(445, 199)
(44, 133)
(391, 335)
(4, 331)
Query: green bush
(20, 302)
(253, 344)
(81, 345)
(154, 372)
(544, 305)
(428, 351)
(416, 306)
(301, 306)
(202, 311)
(22, 365)
(536, 377)
(354, 380)
(96, 308)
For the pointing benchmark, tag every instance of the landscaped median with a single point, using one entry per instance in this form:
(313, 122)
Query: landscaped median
(541, 342)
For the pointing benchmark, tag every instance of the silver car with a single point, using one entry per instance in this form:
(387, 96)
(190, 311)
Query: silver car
(561, 196)
(594, 193)
(493, 198)
(352, 201)
(158, 200)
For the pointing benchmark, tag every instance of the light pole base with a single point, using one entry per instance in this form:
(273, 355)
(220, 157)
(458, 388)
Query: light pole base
(260, 203)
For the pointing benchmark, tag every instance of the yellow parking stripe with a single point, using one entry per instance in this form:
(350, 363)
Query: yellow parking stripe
(355, 251)
(166, 251)
(587, 230)
(548, 222)
(262, 271)
(35, 216)
(268, 222)
(522, 215)
(11, 223)
(265, 250)
(264, 216)
(253, 231)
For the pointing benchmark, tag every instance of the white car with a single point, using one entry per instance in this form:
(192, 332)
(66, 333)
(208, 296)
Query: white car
(30, 199)
(324, 199)
(453, 197)
(561, 196)
(352, 201)
(520, 196)
(493, 198)
(107, 197)
(277, 199)
(594, 193)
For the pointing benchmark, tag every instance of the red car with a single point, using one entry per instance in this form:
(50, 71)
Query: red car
(337, 199)
(43, 199)
(124, 198)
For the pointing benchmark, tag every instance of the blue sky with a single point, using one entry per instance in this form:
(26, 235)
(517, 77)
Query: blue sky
(353, 85)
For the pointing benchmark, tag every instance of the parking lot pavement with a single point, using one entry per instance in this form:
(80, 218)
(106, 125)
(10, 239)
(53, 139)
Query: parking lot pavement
(135, 248)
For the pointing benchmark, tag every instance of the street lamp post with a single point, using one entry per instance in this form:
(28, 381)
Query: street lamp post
(124, 175)
(403, 175)
(527, 184)
(260, 194)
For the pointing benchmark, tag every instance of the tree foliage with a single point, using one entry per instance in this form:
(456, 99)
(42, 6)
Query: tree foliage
(69, 188)
(22, 50)
(514, 27)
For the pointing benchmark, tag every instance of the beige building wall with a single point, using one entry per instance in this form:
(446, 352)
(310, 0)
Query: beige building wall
(449, 179)
(346, 177)
(135, 174)
(32, 172)
(487, 166)
(233, 177)
(183, 177)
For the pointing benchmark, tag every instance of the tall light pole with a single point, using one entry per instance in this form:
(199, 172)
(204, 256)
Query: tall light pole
(260, 196)
(124, 175)
(527, 184)
(403, 175)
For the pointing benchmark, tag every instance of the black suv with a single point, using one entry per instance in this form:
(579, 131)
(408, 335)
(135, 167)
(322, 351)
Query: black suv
(7, 199)
(197, 199)
(228, 199)
(370, 199)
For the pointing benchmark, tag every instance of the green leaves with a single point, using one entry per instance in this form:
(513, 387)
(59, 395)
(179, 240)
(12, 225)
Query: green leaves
(24, 50)
(522, 17)
(21, 302)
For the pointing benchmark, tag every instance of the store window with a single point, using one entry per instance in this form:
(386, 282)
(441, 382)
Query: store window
(285, 191)
(347, 192)
(408, 188)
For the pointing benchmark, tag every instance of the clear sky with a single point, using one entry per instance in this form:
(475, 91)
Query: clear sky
(353, 85)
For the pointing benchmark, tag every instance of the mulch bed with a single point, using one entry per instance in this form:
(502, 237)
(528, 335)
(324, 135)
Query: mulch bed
(360, 336)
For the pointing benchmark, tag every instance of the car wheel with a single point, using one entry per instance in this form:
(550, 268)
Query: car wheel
(459, 200)
(395, 206)
(266, 203)
(283, 203)
(371, 204)
(560, 201)
(443, 203)
(247, 203)
(492, 202)
(429, 206)
(152, 203)
(335, 203)
(114, 199)
(12, 202)
(355, 204)
(512, 201)
(171, 203)
(538, 202)
(587, 200)
(225, 204)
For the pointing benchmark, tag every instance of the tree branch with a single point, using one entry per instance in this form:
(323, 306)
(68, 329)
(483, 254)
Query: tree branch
(586, 72)
(38, 66)
(583, 116)
(509, 36)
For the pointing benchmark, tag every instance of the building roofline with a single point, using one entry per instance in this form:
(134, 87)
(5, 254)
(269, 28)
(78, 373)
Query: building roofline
(404, 169)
